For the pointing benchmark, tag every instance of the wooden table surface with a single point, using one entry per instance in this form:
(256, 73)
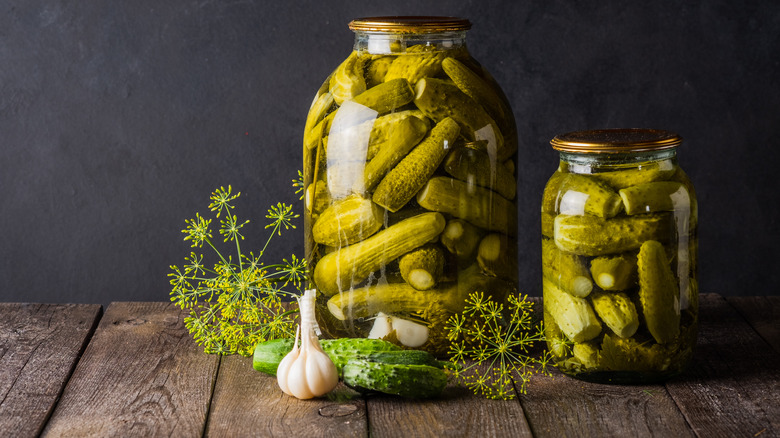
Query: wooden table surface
(72, 370)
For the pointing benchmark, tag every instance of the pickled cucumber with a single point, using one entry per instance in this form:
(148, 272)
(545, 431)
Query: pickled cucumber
(395, 127)
(573, 315)
(312, 137)
(618, 354)
(637, 254)
(580, 194)
(475, 166)
(556, 340)
(592, 236)
(439, 99)
(497, 256)
(404, 136)
(377, 69)
(481, 207)
(340, 270)
(461, 238)
(552, 191)
(640, 174)
(316, 199)
(614, 272)
(422, 268)
(565, 270)
(487, 96)
(387, 96)
(401, 298)
(418, 62)
(347, 80)
(348, 221)
(510, 166)
(655, 196)
(658, 293)
(392, 298)
(405, 179)
(476, 88)
(587, 353)
(617, 311)
(319, 108)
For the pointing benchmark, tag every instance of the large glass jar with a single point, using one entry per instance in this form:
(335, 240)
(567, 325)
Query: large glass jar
(409, 173)
(619, 223)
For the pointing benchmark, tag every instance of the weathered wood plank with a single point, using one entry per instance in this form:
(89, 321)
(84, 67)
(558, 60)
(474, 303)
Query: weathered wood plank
(458, 413)
(141, 375)
(39, 347)
(563, 406)
(763, 314)
(249, 404)
(733, 385)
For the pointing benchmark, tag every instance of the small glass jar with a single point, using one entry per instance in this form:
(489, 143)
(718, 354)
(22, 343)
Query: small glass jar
(619, 246)
(410, 186)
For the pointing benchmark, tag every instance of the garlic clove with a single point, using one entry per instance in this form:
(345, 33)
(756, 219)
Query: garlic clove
(381, 327)
(298, 381)
(321, 374)
(410, 333)
(283, 370)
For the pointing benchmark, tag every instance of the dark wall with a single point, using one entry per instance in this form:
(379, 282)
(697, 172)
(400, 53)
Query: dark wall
(117, 119)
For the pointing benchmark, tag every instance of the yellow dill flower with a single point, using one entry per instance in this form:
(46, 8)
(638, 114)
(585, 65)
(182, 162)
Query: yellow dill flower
(235, 302)
(490, 346)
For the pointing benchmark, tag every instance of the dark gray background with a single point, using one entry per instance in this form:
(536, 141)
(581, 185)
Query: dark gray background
(118, 118)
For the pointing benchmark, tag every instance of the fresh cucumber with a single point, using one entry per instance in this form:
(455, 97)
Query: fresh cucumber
(414, 381)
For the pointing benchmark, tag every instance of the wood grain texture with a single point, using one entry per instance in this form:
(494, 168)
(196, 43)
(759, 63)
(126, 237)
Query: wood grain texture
(733, 385)
(563, 406)
(39, 346)
(247, 403)
(560, 406)
(141, 375)
(457, 413)
(763, 314)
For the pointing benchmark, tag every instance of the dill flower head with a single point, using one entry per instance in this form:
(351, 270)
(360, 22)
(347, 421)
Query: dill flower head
(237, 301)
(492, 345)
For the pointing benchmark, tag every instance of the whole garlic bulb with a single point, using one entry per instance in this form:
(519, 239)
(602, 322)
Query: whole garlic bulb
(307, 372)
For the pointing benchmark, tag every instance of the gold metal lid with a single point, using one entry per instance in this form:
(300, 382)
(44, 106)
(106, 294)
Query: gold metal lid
(616, 141)
(410, 24)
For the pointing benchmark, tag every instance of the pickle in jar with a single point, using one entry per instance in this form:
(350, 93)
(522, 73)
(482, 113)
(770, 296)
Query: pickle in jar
(614, 272)
(404, 181)
(479, 206)
(565, 270)
(439, 99)
(594, 236)
(580, 194)
(655, 196)
(349, 266)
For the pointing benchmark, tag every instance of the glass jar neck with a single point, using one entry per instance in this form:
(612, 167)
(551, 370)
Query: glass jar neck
(584, 163)
(389, 43)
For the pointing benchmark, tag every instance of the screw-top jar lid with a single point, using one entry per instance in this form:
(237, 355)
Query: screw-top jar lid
(612, 141)
(410, 24)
